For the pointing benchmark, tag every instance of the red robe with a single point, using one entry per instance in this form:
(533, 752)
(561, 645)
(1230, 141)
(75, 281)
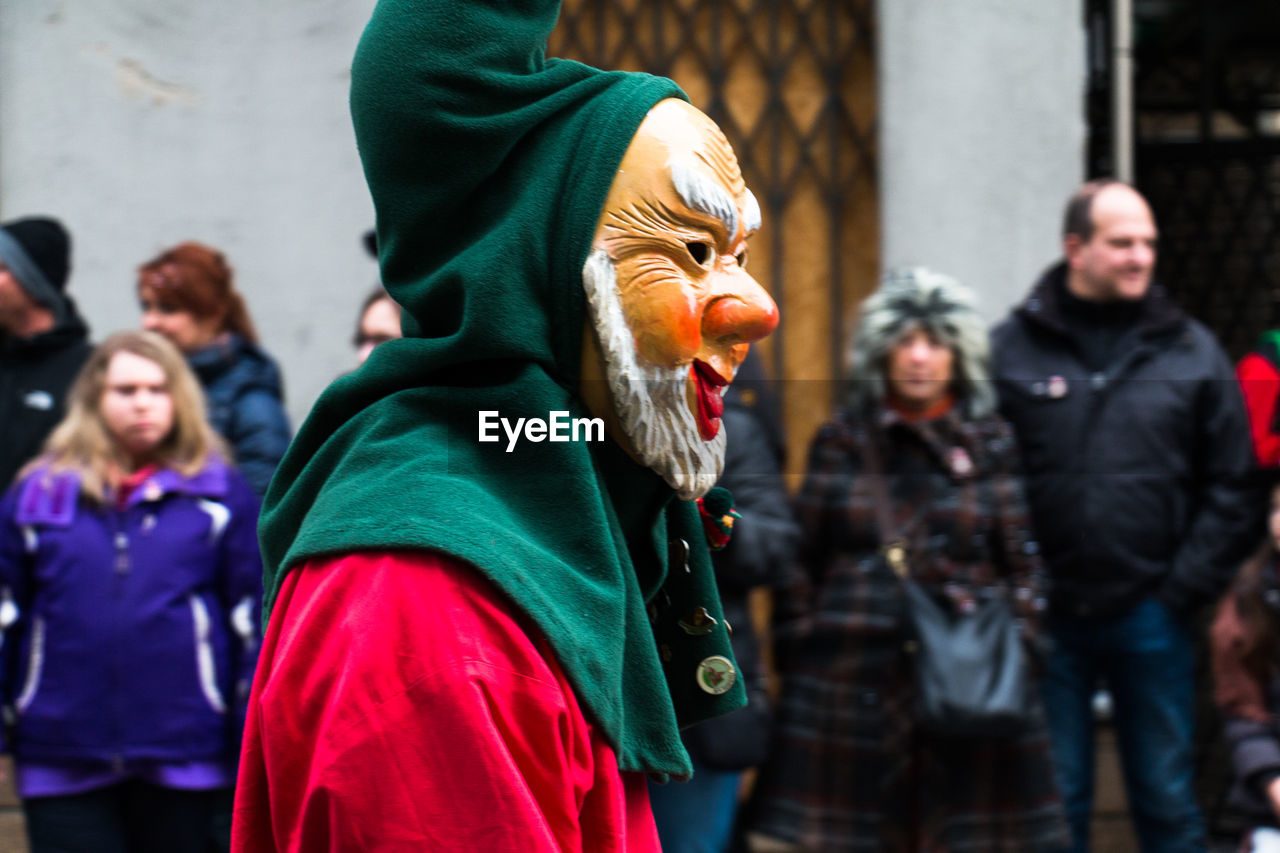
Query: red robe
(401, 703)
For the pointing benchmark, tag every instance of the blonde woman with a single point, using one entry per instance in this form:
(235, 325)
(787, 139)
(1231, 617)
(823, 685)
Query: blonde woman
(129, 594)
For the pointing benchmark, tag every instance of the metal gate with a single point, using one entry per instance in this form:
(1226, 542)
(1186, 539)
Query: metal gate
(792, 84)
(1207, 131)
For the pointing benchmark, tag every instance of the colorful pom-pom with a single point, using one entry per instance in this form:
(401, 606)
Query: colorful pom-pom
(718, 515)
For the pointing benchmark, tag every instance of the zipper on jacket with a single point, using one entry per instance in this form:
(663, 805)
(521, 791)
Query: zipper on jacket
(8, 379)
(1100, 384)
(121, 567)
(122, 553)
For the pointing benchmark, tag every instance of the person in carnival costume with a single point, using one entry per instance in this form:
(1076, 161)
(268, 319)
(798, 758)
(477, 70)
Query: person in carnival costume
(484, 638)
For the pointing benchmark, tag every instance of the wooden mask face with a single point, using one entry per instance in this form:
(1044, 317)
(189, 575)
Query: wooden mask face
(669, 256)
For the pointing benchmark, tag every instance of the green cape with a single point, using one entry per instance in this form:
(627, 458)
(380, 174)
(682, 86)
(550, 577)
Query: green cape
(489, 165)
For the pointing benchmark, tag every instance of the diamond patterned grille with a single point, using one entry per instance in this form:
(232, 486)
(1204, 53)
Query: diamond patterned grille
(1218, 206)
(792, 84)
(1207, 124)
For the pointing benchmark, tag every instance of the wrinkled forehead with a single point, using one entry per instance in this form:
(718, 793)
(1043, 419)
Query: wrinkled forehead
(680, 163)
(694, 141)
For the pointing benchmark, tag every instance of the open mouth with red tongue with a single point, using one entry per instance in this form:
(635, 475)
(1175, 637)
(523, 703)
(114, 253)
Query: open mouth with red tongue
(710, 385)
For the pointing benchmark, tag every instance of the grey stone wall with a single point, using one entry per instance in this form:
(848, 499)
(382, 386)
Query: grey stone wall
(981, 136)
(142, 123)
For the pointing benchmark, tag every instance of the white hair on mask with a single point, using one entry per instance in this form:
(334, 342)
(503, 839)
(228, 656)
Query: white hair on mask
(704, 195)
(650, 401)
(751, 212)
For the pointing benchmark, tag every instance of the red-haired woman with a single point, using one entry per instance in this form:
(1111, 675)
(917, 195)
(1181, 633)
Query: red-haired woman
(189, 296)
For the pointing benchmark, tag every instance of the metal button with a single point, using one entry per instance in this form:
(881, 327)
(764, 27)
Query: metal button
(678, 553)
(716, 675)
(698, 623)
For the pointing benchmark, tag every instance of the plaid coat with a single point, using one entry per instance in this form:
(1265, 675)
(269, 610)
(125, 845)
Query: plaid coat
(850, 771)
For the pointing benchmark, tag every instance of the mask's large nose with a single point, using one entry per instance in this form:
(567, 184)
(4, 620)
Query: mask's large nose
(741, 311)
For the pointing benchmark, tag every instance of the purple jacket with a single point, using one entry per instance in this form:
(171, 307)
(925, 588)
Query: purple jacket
(129, 633)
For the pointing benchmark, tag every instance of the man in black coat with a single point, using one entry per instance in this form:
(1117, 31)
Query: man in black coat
(1137, 453)
(43, 340)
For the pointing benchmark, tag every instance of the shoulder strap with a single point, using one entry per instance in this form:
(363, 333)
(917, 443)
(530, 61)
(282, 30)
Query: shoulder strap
(893, 546)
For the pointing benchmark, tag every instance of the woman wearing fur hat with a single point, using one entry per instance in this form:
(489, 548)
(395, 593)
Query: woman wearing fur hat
(188, 295)
(852, 769)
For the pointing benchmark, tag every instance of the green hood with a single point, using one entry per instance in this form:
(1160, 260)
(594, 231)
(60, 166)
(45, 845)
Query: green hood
(489, 165)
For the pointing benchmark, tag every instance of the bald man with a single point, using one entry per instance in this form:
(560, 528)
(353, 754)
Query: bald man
(1137, 455)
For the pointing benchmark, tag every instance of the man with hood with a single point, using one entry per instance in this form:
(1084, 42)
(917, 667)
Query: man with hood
(43, 340)
(480, 642)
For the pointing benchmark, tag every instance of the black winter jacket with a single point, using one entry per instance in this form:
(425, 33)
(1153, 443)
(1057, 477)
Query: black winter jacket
(35, 374)
(764, 540)
(246, 405)
(1138, 474)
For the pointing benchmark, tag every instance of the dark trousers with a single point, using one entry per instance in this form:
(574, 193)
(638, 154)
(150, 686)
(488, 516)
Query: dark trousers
(1147, 660)
(132, 817)
(696, 816)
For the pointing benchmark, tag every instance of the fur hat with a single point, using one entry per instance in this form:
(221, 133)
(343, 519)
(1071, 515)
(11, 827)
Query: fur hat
(918, 297)
(37, 251)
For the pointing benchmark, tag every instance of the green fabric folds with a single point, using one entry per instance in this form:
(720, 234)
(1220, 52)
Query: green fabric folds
(488, 165)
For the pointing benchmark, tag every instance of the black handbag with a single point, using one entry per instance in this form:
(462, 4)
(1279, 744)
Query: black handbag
(972, 670)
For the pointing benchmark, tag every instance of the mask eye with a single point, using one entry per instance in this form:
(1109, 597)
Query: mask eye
(741, 258)
(699, 251)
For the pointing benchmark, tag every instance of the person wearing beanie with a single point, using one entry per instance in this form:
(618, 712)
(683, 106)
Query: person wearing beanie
(475, 642)
(188, 294)
(43, 340)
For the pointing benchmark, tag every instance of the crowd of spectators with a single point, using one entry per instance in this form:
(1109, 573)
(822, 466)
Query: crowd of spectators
(1095, 459)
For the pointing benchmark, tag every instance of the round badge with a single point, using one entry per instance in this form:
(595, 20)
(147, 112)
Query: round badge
(716, 675)
(961, 464)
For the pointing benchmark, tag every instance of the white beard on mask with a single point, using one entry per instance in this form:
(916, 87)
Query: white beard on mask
(650, 401)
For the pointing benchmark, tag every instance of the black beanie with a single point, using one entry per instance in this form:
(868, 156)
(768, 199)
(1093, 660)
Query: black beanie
(48, 245)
